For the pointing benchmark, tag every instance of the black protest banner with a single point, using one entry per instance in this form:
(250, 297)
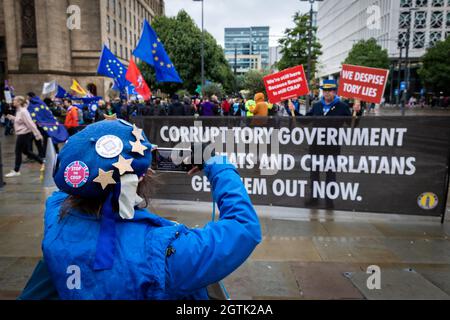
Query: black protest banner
(383, 164)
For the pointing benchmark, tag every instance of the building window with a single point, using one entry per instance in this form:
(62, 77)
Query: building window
(435, 36)
(115, 48)
(405, 20)
(438, 3)
(402, 39)
(114, 28)
(120, 11)
(121, 51)
(419, 40)
(405, 3)
(420, 20)
(436, 19)
(29, 38)
(108, 24)
(448, 18)
(421, 3)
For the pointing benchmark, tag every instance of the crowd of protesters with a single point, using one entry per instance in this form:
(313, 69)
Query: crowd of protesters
(76, 116)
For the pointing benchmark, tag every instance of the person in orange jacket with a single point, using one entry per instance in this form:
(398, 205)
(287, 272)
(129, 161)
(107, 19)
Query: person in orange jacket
(262, 108)
(71, 123)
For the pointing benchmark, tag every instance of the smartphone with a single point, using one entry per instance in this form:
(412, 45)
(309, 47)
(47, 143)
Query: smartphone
(172, 160)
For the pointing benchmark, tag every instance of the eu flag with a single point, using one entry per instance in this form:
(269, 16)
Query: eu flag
(43, 117)
(111, 67)
(62, 93)
(151, 50)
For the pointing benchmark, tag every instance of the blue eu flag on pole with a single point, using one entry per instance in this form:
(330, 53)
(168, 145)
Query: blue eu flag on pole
(43, 117)
(151, 50)
(62, 93)
(111, 67)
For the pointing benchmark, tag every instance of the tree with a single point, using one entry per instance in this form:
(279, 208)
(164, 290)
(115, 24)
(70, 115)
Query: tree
(294, 45)
(254, 82)
(435, 71)
(213, 89)
(368, 53)
(182, 40)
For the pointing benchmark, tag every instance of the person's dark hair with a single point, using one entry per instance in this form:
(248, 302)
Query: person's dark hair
(48, 102)
(146, 188)
(31, 94)
(67, 100)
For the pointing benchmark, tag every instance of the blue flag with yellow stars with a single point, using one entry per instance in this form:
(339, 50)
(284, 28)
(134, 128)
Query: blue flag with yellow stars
(111, 67)
(62, 93)
(43, 117)
(151, 50)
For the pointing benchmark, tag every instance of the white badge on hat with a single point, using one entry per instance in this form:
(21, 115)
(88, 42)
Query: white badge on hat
(109, 146)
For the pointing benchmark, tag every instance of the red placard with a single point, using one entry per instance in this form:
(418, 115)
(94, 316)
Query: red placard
(362, 83)
(288, 84)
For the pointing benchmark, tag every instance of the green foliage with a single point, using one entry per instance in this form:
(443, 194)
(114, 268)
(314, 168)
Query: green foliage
(368, 54)
(253, 82)
(435, 72)
(182, 40)
(183, 93)
(214, 89)
(294, 45)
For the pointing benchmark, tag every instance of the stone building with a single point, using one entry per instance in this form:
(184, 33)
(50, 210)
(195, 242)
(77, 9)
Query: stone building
(40, 40)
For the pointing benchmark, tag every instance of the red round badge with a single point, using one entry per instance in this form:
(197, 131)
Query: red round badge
(76, 174)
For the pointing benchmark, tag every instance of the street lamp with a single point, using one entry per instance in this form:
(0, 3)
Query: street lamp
(203, 44)
(407, 64)
(311, 15)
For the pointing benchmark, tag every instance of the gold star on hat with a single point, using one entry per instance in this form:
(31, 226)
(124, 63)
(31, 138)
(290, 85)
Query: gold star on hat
(138, 147)
(111, 118)
(124, 165)
(137, 133)
(105, 178)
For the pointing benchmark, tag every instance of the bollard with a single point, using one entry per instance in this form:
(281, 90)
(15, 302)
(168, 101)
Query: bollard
(2, 184)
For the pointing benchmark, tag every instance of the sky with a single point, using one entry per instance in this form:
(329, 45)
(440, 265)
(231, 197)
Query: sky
(221, 14)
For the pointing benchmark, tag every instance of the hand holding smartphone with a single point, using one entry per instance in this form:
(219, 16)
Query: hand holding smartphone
(172, 160)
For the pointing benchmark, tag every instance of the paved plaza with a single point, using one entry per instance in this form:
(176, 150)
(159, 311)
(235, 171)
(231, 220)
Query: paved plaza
(305, 254)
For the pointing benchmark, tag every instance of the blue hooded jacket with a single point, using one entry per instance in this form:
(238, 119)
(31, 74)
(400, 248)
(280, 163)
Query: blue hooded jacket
(155, 258)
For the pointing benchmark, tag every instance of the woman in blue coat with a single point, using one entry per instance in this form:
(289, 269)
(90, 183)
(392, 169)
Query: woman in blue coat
(100, 243)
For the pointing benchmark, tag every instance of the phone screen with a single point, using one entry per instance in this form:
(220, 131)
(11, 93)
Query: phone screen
(172, 160)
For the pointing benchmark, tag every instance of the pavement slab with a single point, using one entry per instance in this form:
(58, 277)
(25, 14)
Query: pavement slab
(326, 281)
(398, 285)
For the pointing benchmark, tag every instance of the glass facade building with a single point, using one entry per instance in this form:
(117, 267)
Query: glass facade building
(250, 44)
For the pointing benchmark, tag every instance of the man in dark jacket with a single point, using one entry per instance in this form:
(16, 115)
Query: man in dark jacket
(176, 108)
(330, 105)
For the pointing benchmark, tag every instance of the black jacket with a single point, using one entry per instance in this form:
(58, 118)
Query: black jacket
(339, 109)
(176, 109)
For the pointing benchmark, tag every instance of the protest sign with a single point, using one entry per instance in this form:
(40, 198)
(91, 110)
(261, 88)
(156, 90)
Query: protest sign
(8, 97)
(362, 83)
(288, 84)
(383, 164)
